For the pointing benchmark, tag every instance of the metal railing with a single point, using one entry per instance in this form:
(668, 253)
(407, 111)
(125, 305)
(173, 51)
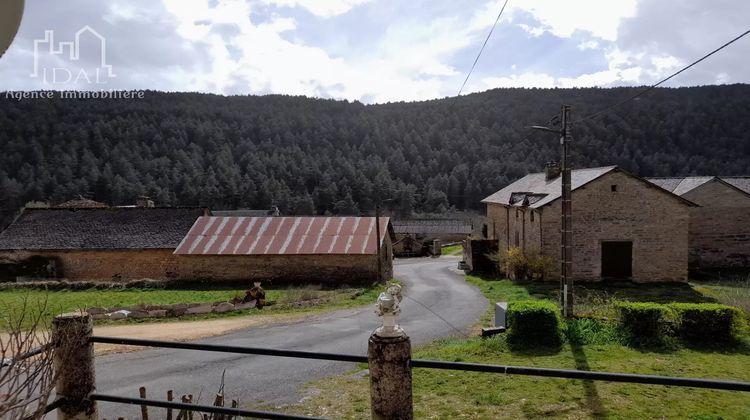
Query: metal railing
(89, 396)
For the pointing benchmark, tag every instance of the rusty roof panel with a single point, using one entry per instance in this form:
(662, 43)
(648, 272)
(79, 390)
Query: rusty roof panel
(239, 235)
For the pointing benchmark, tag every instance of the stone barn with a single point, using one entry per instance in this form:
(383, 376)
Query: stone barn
(326, 250)
(719, 230)
(624, 227)
(95, 243)
(413, 237)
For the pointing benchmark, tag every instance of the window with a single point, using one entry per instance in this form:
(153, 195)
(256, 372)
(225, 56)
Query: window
(518, 242)
(613, 187)
(532, 216)
(516, 213)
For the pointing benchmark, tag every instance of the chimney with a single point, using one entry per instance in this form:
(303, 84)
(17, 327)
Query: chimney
(144, 201)
(551, 171)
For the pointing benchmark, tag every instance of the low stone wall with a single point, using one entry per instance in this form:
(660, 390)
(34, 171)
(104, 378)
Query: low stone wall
(167, 311)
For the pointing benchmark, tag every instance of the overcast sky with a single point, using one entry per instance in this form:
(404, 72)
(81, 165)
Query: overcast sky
(375, 50)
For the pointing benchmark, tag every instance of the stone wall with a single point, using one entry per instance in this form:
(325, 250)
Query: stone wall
(123, 265)
(655, 222)
(719, 233)
(719, 237)
(516, 227)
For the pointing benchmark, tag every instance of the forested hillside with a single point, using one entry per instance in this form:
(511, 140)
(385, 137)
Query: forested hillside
(315, 156)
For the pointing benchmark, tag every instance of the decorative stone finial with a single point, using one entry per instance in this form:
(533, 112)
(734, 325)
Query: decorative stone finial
(388, 307)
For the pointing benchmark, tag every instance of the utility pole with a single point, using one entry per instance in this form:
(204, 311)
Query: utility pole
(566, 218)
(566, 265)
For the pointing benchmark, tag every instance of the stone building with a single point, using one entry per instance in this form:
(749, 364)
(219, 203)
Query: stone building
(413, 237)
(623, 225)
(120, 244)
(719, 230)
(334, 250)
(92, 243)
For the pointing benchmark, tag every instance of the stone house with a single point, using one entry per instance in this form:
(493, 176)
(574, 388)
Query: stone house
(120, 244)
(413, 237)
(95, 243)
(623, 225)
(719, 230)
(334, 250)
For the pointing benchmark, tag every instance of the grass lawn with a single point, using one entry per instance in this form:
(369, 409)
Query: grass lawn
(448, 394)
(453, 250)
(286, 300)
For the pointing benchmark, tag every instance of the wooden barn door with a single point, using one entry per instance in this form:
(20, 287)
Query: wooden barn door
(617, 259)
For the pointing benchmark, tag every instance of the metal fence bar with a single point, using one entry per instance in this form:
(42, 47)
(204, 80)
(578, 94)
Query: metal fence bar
(436, 364)
(232, 349)
(586, 375)
(196, 407)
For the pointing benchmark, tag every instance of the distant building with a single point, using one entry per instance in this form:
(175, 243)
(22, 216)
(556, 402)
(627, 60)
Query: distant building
(413, 237)
(99, 243)
(273, 211)
(332, 250)
(719, 230)
(623, 225)
(127, 243)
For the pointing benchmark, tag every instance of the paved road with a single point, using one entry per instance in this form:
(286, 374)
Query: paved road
(438, 303)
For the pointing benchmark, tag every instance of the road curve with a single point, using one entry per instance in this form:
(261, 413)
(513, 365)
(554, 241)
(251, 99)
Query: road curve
(438, 302)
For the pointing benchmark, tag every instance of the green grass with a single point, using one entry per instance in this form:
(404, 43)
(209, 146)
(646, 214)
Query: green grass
(447, 394)
(453, 250)
(28, 302)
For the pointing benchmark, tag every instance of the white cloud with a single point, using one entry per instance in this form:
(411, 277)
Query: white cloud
(322, 8)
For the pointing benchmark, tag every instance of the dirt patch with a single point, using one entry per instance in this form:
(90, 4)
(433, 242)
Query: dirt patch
(180, 331)
(186, 331)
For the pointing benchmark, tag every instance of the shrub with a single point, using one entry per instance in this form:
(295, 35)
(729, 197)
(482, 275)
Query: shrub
(533, 323)
(646, 323)
(707, 322)
(515, 263)
(540, 265)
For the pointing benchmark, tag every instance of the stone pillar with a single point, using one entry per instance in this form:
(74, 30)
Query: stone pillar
(74, 366)
(389, 359)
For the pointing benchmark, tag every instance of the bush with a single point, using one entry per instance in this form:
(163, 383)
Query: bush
(540, 265)
(707, 322)
(646, 323)
(533, 323)
(516, 264)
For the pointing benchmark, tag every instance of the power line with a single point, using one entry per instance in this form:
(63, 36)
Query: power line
(482, 49)
(649, 88)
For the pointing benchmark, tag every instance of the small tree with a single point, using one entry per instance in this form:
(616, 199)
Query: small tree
(540, 265)
(25, 383)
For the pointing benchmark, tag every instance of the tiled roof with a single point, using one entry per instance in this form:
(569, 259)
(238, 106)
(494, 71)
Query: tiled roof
(447, 226)
(739, 182)
(211, 235)
(680, 185)
(93, 228)
(684, 184)
(538, 191)
(82, 203)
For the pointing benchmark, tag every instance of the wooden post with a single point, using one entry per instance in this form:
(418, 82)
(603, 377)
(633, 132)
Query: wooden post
(389, 359)
(144, 409)
(74, 366)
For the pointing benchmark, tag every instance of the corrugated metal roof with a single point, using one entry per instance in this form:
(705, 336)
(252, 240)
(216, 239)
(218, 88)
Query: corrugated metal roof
(212, 235)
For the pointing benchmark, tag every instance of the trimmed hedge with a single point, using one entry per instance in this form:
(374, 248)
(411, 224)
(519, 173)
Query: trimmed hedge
(707, 322)
(533, 323)
(646, 323)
